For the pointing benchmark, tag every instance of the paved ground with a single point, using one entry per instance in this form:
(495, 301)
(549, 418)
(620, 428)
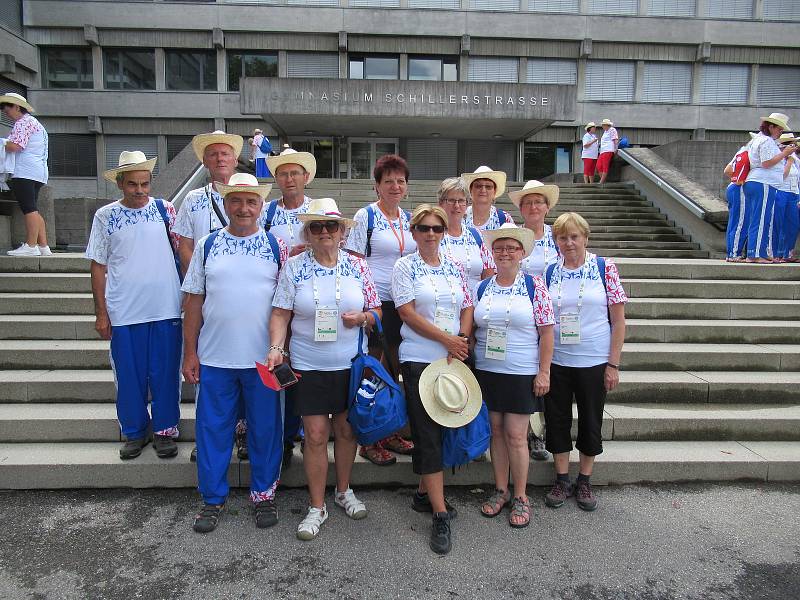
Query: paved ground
(729, 542)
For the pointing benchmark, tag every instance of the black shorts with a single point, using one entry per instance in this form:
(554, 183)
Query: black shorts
(391, 322)
(320, 393)
(509, 393)
(26, 192)
(426, 433)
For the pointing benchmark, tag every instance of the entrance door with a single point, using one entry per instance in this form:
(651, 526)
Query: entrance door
(543, 159)
(363, 152)
(321, 148)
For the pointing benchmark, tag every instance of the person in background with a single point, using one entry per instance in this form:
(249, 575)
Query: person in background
(485, 186)
(590, 150)
(260, 148)
(608, 148)
(785, 220)
(738, 215)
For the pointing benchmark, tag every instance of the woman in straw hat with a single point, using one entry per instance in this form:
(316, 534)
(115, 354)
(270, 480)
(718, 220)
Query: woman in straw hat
(590, 150)
(763, 180)
(433, 299)
(589, 306)
(608, 148)
(738, 213)
(325, 293)
(485, 186)
(534, 201)
(28, 141)
(513, 349)
(463, 243)
(785, 220)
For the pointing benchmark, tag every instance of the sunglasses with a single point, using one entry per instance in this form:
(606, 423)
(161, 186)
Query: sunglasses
(427, 228)
(316, 227)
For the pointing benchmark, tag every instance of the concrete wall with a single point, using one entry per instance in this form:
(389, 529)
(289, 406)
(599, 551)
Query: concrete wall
(701, 161)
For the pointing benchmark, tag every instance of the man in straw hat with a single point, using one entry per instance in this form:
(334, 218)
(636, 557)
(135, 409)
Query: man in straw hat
(608, 148)
(230, 284)
(137, 298)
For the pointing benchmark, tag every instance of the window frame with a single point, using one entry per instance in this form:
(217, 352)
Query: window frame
(85, 79)
(443, 60)
(364, 58)
(107, 52)
(211, 61)
(242, 54)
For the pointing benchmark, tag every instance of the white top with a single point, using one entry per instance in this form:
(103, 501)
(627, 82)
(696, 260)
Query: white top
(762, 148)
(238, 281)
(493, 222)
(428, 287)
(592, 151)
(510, 309)
(474, 258)
(607, 140)
(595, 329)
(285, 224)
(544, 252)
(142, 283)
(295, 292)
(196, 217)
(790, 183)
(257, 143)
(31, 161)
(387, 239)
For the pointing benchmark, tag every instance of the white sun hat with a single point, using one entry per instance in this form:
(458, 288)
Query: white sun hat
(484, 172)
(14, 98)
(779, 119)
(324, 209)
(508, 230)
(533, 186)
(450, 393)
(243, 182)
(293, 157)
(203, 140)
(130, 160)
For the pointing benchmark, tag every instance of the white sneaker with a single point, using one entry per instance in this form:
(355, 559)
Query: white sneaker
(45, 251)
(25, 250)
(309, 527)
(354, 507)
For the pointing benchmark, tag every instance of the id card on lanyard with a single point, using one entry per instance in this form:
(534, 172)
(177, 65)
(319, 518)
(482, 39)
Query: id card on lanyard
(326, 319)
(443, 318)
(569, 324)
(496, 336)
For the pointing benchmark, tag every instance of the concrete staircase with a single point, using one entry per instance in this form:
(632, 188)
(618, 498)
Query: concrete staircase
(710, 387)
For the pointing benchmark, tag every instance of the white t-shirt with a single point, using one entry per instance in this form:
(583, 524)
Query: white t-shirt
(790, 183)
(500, 304)
(285, 224)
(607, 140)
(31, 161)
(592, 151)
(142, 283)
(493, 222)
(428, 287)
(474, 258)
(387, 239)
(544, 252)
(762, 148)
(196, 217)
(295, 292)
(595, 329)
(238, 281)
(257, 143)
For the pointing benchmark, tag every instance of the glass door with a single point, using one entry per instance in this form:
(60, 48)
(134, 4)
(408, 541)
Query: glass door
(321, 148)
(363, 152)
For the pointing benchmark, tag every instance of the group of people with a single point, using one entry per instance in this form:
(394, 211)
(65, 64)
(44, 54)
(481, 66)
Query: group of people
(597, 152)
(474, 308)
(763, 217)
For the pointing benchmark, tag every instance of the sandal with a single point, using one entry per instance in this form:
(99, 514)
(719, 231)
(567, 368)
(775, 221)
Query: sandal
(495, 504)
(309, 527)
(353, 507)
(397, 444)
(377, 455)
(520, 515)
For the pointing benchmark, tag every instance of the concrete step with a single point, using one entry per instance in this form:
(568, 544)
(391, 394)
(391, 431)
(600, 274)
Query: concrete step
(588, 211)
(624, 244)
(597, 238)
(97, 465)
(5, 232)
(44, 327)
(44, 304)
(711, 288)
(665, 268)
(626, 229)
(45, 282)
(617, 253)
(54, 354)
(708, 331)
(60, 262)
(712, 357)
(711, 308)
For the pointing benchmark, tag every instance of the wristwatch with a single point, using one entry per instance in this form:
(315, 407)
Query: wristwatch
(613, 366)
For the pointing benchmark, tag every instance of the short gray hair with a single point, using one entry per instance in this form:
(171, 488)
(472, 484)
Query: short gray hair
(453, 183)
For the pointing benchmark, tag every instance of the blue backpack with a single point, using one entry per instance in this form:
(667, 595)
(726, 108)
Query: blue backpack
(462, 445)
(529, 285)
(272, 208)
(162, 210)
(501, 216)
(371, 227)
(273, 244)
(377, 404)
(623, 142)
(601, 266)
(265, 146)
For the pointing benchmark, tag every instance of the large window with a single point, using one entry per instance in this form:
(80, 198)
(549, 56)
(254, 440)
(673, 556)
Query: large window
(322, 65)
(729, 9)
(115, 144)
(72, 155)
(562, 71)
(778, 86)
(672, 8)
(431, 68)
(191, 69)
(374, 67)
(542, 159)
(613, 7)
(250, 64)
(493, 68)
(724, 84)
(67, 68)
(610, 80)
(782, 10)
(129, 69)
(667, 82)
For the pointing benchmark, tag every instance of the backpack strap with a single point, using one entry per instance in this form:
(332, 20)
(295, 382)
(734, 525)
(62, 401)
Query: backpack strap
(548, 274)
(208, 244)
(477, 235)
(216, 208)
(272, 208)
(370, 229)
(276, 249)
(482, 287)
(530, 285)
(501, 215)
(601, 266)
(162, 210)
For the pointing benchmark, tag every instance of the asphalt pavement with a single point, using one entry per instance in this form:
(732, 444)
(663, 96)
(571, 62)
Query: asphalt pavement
(731, 542)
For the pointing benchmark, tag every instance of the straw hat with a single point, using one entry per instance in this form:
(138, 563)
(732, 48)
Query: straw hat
(293, 157)
(324, 209)
(787, 138)
(779, 119)
(508, 230)
(608, 122)
(536, 187)
(130, 161)
(484, 172)
(243, 182)
(450, 393)
(13, 98)
(590, 124)
(201, 141)
(537, 424)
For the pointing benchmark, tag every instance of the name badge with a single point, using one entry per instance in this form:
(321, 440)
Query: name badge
(570, 328)
(326, 323)
(444, 320)
(496, 343)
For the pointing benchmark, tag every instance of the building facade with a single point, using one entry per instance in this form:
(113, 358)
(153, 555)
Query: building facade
(450, 84)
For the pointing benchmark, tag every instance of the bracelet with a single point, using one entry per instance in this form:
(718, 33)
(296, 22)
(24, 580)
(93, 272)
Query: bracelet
(462, 335)
(613, 366)
(283, 352)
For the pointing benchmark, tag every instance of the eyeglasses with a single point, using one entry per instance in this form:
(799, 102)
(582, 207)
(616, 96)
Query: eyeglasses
(505, 249)
(533, 203)
(427, 228)
(289, 174)
(459, 201)
(484, 186)
(316, 227)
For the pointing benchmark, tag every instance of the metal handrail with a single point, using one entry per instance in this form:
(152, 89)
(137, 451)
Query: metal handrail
(682, 198)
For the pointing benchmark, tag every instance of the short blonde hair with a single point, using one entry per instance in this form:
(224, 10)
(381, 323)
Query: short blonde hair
(569, 221)
(453, 183)
(423, 210)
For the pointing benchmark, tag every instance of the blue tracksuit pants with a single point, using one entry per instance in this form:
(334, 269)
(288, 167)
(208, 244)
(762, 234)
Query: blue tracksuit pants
(217, 413)
(760, 199)
(785, 223)
(146, 358)
(738, 218)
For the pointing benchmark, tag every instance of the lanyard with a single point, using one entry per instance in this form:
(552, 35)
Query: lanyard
(433, 283)
(584, 270)
(467, 254)
(401, 239)
(289, 216)
(314, 287)
(514, 287)
(211, 210)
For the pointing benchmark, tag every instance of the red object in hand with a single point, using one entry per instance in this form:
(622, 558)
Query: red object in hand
(268, 378)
